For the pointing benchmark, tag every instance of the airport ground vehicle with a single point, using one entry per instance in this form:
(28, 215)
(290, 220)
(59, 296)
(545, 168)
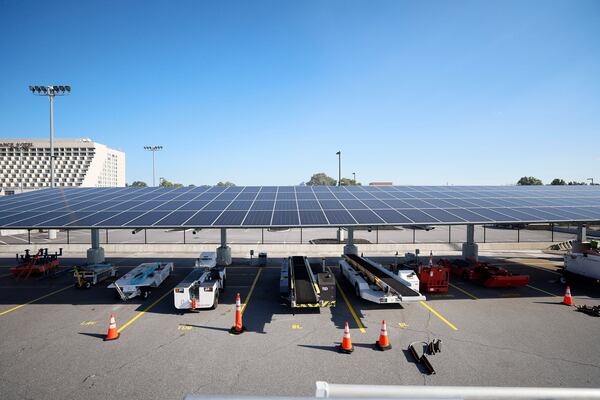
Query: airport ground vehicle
(140, 280)
(484, 274)
(432, 278)
(582, 261)
(302, 286)
(41, 263)
(372, 282)
(202, 286)
(87, 276)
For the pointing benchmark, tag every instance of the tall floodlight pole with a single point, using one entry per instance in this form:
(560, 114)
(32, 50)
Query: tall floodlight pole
(50, 92)
(339, 154)
(354, 177)
(153, 149)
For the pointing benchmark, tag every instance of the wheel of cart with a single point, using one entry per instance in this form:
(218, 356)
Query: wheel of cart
(145, 293)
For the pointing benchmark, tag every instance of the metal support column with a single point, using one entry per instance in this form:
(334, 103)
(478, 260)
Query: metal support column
(581, 233)
(350, 248)
(95, 254)
(470, 248)
(224, 251)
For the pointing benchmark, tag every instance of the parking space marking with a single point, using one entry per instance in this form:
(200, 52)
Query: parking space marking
(184, 327)
(402, 325)
(132, 320)
(543, 291)
(88, 323)
(296, 326)
(463, 291)
(437, 314)
(247, 300)
(33, 301)
(350, 308)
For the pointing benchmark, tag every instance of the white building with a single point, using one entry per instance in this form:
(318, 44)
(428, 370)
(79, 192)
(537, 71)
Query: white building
(25, 164)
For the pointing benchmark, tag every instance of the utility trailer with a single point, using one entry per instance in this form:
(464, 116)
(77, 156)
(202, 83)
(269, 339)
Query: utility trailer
(202, 286)
(484, 274)
(582, 261)
(141, 280)
(90, 275)
(41, 263)
(372, 282)
(302, 287)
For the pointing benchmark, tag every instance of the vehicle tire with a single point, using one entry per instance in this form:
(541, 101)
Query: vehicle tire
(145, 294)
(563, 279)
(216, 302)
(87, 285)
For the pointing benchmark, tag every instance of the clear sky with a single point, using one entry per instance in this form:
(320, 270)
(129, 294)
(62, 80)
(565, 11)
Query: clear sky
(266, 92)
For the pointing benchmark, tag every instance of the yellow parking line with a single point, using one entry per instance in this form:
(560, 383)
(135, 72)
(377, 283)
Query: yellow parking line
(251, 290)
(439, 315)
(132, 320)
(350, 308)
(33, 301)
(543, 291)
(464, 291)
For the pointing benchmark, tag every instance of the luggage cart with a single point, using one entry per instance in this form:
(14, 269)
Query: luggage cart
(90, 275)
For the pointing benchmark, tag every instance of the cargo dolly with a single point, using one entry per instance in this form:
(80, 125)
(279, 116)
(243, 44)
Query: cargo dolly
(484, 274)
(302, 288)
(41, 263)
(90, 275)
(373, 282)
(141, 280)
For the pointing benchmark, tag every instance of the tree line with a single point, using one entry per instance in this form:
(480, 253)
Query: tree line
(530, 180)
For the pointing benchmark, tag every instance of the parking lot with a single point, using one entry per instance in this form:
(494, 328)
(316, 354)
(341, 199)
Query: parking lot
(52, 336)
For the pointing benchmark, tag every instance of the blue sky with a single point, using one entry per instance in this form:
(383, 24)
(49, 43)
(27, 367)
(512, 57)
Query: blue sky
(266, 92)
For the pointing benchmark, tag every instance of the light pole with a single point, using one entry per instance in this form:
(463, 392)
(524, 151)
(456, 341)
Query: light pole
(339, 154)
(51, 91)
(354, 177)
(592, 180)
(153, 149)
(20, 146)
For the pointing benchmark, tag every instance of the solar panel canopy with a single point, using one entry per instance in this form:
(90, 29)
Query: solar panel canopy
(297, 206)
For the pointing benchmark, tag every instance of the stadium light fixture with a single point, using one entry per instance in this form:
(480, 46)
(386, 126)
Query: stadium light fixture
(153, 149)
(51, 92)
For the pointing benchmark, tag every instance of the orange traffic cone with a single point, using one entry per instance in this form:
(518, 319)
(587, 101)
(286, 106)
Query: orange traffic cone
(238, 327)
(346, 346)
(112, 329)
(384, 342)
(568, 300)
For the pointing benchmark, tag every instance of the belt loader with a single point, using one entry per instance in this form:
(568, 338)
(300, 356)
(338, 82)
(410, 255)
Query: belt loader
(372, 282)
(140, 280)
(202, 286)
(302, 287)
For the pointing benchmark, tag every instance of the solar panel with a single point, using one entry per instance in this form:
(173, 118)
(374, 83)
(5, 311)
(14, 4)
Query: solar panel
(294, 206)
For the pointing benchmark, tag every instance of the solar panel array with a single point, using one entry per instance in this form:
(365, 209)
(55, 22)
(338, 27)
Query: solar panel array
(297, 206)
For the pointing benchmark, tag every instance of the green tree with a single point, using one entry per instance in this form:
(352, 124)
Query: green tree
(349, 182)
(529, 180)
(321, 179)
(575, 183)
(226, 184)
(139, 184)
(558, 181)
